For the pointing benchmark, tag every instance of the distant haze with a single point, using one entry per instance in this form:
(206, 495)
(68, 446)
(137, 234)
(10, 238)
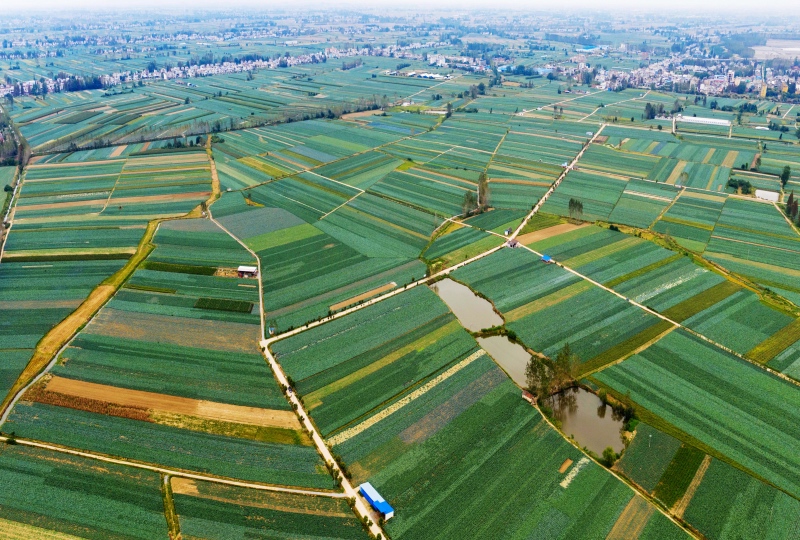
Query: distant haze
(669, 8)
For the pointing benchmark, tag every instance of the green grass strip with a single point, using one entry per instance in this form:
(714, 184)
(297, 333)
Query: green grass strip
(678, 475)
(776, 343)
(642, 271)
(702, 301)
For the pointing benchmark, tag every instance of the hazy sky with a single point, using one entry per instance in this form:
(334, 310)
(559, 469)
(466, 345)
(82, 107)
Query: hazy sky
(770, 8)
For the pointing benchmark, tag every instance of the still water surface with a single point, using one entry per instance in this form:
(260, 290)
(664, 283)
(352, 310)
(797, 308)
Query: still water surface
(512, 357)
(472, 311)
(590, 421)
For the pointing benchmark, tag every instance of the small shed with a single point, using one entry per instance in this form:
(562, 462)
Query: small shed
(547, 259)
(512, 243)
(248, 271)
(376, 501)
(527, 396)
(508, 231)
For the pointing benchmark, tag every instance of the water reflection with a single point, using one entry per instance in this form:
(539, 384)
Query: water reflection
(512, 357)
(591, 422)
(472, 311)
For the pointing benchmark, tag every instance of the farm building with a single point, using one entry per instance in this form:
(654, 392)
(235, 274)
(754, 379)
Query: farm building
(375, 500)
(547, 259)
(248, 271)
(767, 195)
(527, 396)
(701, 120)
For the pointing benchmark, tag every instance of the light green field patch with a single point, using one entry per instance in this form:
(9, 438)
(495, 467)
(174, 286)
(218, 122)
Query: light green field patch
(282, 237)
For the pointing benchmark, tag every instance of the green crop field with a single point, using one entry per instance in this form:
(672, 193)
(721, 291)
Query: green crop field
(58, 494)
(355, 160)
(737, 409)
(345, 370)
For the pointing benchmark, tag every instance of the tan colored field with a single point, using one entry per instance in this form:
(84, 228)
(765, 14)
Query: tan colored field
(217, 335)
(703, 196)
(730, 159)
(175, 404)
(39, 304)
(364, 296)
(357, 115)
(681, 505)
(549, 232)
(12, 530)
(117, 151)
(255, 498)
(632, 520)
(676, 173)
(68, 251)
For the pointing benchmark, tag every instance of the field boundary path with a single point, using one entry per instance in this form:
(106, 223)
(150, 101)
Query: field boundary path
(168, 471)
(667, 319)
(360, 508)
(612, 104)
(11, 204)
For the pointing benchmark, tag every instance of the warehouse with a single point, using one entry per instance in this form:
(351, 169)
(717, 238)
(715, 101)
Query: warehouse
(247, 271)
(375, 500)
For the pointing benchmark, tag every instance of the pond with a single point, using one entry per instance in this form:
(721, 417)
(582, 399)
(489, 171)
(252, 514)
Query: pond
(512, 357)
(591, 422)
(472, 311)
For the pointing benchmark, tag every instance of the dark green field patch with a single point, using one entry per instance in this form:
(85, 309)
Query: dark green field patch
(678, 475)
(179, 268)
(221, 304)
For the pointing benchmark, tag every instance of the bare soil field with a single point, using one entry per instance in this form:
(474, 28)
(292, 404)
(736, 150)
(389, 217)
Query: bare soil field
(549, 232)
(175, 404)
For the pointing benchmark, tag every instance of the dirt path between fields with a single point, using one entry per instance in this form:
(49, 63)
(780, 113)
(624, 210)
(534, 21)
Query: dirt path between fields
(364, 296)
(681, 506)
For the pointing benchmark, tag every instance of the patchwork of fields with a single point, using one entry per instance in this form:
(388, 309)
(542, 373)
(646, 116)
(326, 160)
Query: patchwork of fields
(677, 293)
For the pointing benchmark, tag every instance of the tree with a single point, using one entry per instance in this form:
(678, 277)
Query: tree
(786, 174)
(470, 202)
(790, 203)
(609, 457)
(575, 209)
(565, 368)
(683, 178)
(449, 112)
(483, 190)
(537, 377)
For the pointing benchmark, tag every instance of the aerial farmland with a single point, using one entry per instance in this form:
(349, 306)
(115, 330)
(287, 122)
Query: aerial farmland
(339, 275)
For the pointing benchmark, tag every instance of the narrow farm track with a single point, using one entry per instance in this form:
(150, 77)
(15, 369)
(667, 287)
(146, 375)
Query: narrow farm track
(171, 472)
(349, 491)
(612, 104)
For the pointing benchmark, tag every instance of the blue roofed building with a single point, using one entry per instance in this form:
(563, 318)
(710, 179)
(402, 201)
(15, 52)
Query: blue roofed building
(375, 500)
